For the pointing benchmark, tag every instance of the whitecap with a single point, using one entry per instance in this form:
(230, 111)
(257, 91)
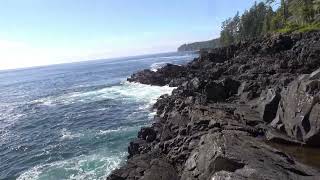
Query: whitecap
(155, 66)
(142, 92)
(152, 114)
(48, 101)
(108, 131)
(67, 135)
(96, 166)
(9, 116)
(117, 130)
(125, 91)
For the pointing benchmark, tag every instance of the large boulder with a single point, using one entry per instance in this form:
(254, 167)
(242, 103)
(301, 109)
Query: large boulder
(269, 101)
(163, 76)
(145, 167)
(299, 109)
(160, 170)
(218, 91)
(237, 155)
(148, 77)
(147, 133)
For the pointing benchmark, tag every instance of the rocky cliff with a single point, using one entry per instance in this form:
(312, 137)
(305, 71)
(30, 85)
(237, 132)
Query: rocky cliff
(230, 107)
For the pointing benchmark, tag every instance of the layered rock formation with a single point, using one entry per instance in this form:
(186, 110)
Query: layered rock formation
(229, 105)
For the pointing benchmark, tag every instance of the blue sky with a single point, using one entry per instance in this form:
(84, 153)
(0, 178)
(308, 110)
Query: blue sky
(38, 32)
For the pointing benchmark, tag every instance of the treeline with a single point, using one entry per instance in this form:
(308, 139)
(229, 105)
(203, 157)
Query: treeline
(291, 15)
(196, 46)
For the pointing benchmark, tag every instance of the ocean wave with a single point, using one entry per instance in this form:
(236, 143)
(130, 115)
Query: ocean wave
(141, 92)
(67, 135)
(155, 66)
(152, 114)
(176, 57)
(117, 130)
(166, 57)
(9, 117)
(125, 91)
(96, 166)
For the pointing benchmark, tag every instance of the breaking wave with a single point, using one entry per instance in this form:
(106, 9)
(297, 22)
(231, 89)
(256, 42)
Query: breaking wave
(124, 91)
(89, 167)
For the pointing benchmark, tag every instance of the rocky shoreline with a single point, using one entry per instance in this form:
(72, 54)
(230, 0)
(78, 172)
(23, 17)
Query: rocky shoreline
(230, 105)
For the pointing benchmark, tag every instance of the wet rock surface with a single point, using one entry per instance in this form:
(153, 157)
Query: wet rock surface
(229, 105)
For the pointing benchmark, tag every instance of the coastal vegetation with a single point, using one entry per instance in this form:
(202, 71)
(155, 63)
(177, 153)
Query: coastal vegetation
(261, 18)
(200, 45)
(265, 17)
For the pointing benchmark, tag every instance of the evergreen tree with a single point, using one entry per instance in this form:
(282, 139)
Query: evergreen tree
(261, 19)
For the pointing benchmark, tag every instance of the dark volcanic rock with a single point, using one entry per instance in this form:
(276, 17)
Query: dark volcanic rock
(299, 109)
(238, 155)
(147, 134)
(145, 167)
(269, 105)
(221, 90)
(160, 78)
(148, 77)
(230, 104)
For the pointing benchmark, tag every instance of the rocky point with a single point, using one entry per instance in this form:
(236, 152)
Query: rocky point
(229, 106)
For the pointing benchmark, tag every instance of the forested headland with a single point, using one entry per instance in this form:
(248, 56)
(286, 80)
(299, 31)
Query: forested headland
(265, 17)
(261, 18)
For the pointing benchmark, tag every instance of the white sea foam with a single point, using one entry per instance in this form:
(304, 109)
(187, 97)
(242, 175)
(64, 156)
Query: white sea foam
(96, 166)
(67, 135)
(120, 129)
(155, 66)
(176, 57)
(171, 58)
(152, 114)
(126, 91)
(8, 118)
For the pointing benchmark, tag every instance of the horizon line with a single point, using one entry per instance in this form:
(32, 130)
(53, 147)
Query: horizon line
(81, 61)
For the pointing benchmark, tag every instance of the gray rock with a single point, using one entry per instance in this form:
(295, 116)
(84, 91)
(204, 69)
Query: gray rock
(280, 138)
(237, 155)
(209, 128)
(299, 110)
(315, 75)
(221, 90)
(147, 133)
(194, 83)
(268, 105)
(160, 170)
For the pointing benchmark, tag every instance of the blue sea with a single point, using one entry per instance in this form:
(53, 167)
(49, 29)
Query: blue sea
(74, 121)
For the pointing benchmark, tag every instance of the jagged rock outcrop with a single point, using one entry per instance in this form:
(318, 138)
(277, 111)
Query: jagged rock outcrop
(238, 155)
(269, 102)
(299, 110)
(162, 77)
(229, 106)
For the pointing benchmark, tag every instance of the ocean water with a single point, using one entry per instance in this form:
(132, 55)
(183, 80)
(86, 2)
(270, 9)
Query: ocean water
(74, 121)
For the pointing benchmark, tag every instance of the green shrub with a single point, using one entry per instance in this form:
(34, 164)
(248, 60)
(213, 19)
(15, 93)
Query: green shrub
(289, 28)
(309, 27)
